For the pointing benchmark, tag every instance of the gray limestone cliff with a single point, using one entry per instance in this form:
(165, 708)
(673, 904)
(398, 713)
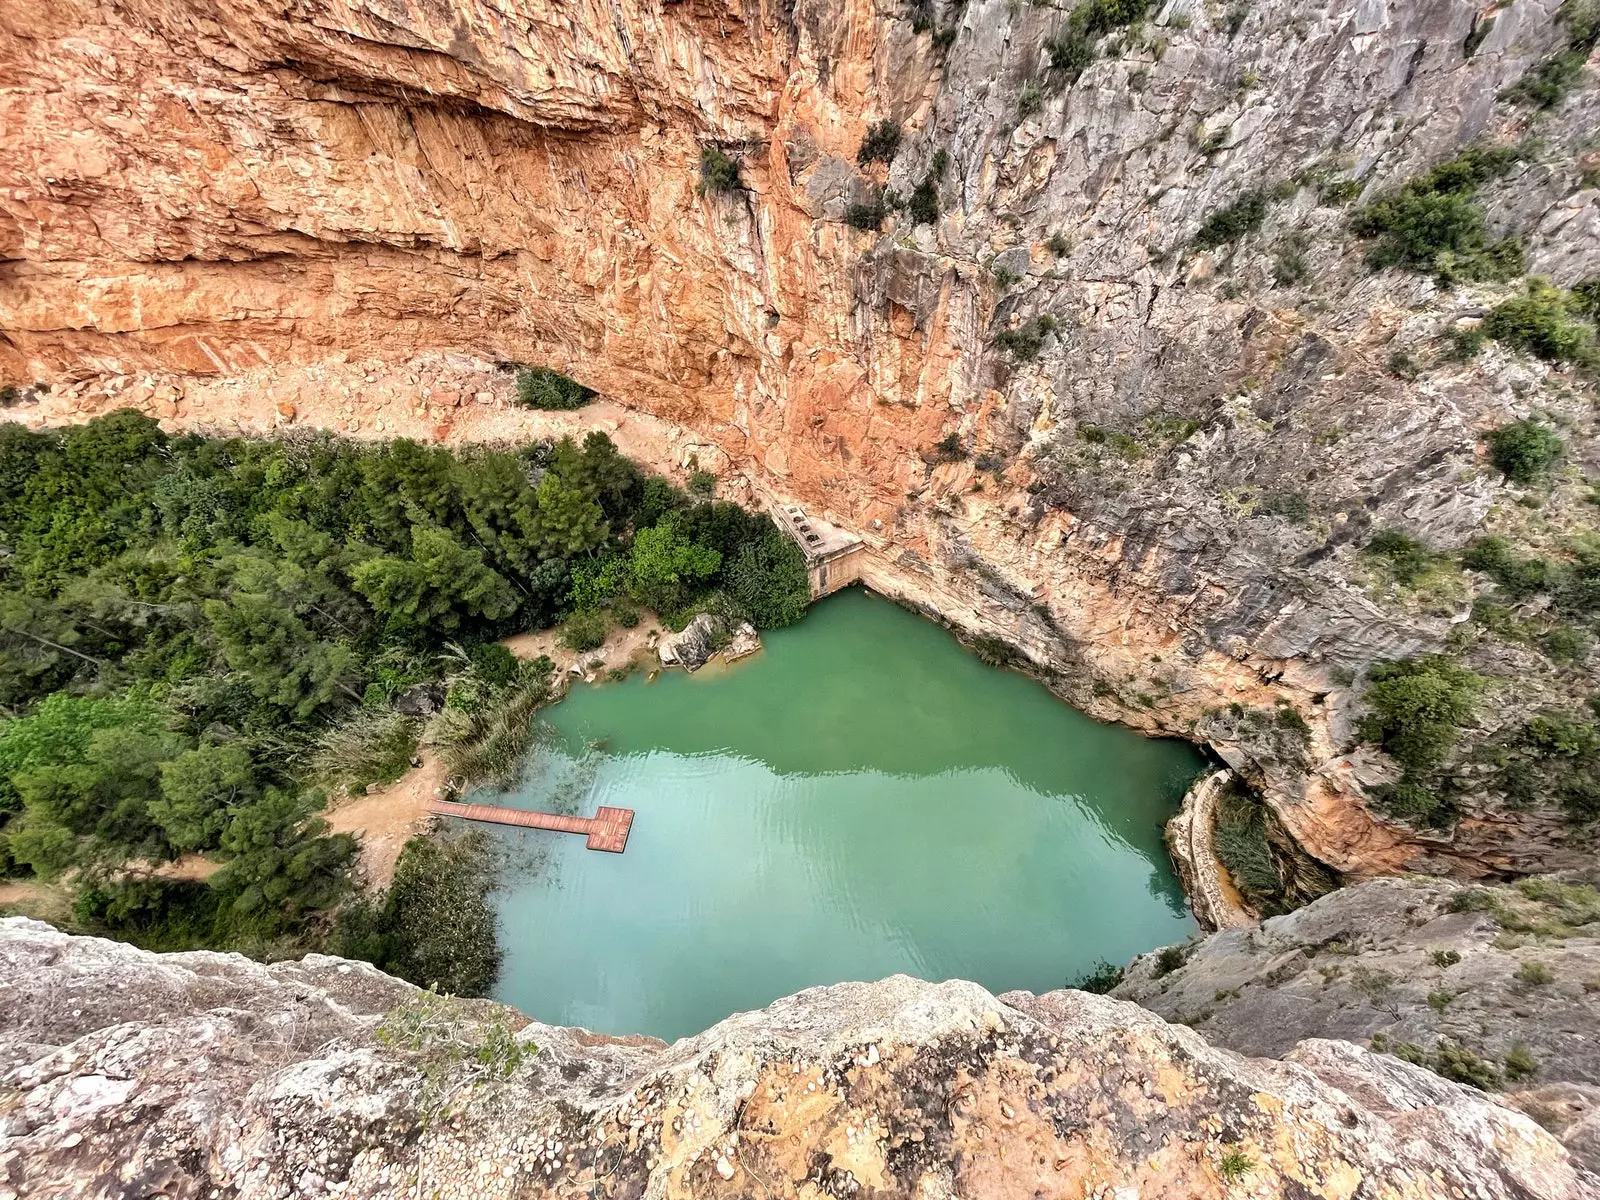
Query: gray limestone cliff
(1500, 986)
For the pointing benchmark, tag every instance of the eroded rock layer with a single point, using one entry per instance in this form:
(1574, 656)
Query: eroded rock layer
(207, 1074)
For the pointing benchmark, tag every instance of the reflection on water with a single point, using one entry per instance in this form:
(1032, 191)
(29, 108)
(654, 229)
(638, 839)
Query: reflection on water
(862, 798)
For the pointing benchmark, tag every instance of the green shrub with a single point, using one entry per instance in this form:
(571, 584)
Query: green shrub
(1406, 558)
(1471, 900)
(540, 387)
(1071, 52)
(1060, 245)
(1072, 49)
(1434, 223)
(1417, 802)
(625, 614)
(1030, 100)
(1445, 958)
(1461, 1065)
(880, 143)
(1336, 193)
(768, 579)
(1231, 222)
(1024, 342)
(1585, 298)
(1124, 444)
(1540, 321)
(1547, 83)
(1290, 267)
(1520, 1063)
(1417, 707)
(493, 663)
(1291, 506)
(1552, 758)
(1564, 644)
(1235, 1164)
(1494, 556)
(923, 206)
(1402, 366)
(1170, 958)
(1099, 979)
(435, 926)
(718, 172)
(1465, 342)
(668, 563)
(702, 484)
(585, 631)
(1524, 450)
(1535, 974)
(866, 217)
(949, 448)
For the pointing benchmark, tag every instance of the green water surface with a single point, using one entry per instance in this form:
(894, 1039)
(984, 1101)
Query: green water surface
(863, 797)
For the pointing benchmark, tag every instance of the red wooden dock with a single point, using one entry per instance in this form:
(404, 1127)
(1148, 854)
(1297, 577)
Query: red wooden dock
(607, 830)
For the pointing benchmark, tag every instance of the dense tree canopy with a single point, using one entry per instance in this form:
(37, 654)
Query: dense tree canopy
(186, 621)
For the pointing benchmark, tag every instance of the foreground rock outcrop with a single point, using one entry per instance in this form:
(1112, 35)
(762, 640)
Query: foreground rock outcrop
(1500, 984)
(133, 1074)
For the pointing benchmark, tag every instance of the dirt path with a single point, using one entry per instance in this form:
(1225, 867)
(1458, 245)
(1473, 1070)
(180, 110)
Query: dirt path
(387, 818)
(16, 892)
(191, 868)
(621, 647)
(25, 898)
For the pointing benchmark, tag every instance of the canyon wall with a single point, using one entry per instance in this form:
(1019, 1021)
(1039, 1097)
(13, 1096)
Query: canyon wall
(128, 1073)
(239, 215)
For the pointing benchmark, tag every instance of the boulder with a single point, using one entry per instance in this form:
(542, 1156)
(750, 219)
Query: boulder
(691, 648)
(420, 700)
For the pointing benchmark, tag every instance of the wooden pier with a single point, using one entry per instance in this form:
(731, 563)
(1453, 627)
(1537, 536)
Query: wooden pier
(607, 830)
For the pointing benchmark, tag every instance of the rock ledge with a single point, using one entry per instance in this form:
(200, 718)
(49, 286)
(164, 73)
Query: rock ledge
(132, 1073)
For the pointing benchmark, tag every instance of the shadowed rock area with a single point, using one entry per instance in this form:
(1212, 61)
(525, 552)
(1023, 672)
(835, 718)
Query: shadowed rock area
(206, 1074)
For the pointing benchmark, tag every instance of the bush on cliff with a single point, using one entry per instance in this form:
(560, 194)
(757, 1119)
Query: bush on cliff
(1072, 48)
(1524, 450)
(1232, 221)
(540, 387)
(718, 172)
(1416, 708)
(1549, 81)
(880, 142)
(1543, 321)
(1435, 224)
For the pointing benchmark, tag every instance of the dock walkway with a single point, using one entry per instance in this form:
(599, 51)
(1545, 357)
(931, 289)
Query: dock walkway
(607, 830)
